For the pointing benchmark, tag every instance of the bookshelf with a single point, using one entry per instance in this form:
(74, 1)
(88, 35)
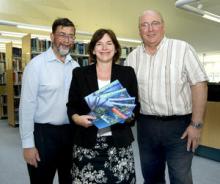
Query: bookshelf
(31, 47)
(125, 50)
(80, 54)
(16, 59)
(3, 96)
(13, 84)
(2, 68)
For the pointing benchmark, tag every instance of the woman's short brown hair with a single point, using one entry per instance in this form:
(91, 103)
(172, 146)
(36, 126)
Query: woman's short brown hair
(98, 36)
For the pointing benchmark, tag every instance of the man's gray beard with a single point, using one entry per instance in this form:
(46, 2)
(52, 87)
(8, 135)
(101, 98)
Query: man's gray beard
(63, 52)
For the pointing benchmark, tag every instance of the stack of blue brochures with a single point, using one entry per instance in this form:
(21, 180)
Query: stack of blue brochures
(110, 105)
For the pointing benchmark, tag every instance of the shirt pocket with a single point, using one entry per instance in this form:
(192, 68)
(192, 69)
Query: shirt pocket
(49, 87)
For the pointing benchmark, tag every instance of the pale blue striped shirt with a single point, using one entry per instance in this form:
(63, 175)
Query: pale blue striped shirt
(45, 87)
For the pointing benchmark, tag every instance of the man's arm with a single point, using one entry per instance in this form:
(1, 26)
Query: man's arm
(26, 115)
(199, 100)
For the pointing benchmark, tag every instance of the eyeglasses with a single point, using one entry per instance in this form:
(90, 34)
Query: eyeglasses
(64, 36)
(154, 24)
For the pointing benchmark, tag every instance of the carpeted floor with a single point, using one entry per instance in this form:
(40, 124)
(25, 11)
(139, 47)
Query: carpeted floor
(13, 168)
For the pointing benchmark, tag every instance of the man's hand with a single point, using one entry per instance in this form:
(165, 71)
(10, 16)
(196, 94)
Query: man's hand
(31, 156)
(193, 137)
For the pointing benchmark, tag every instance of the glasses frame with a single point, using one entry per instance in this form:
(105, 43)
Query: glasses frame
(153, 24)
(64, 36)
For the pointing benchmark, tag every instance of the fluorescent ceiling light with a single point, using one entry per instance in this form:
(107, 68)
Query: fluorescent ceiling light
(41, 37)
(129, 40)
(183, 4)
(47, 37)
(32, 27)
(2, 46)
(12, 34)
(211, 17)
(25, 26)
(84, 41)
(20, 35)
(7, 40)
(48, 29)
(180, 3)
(2, 49)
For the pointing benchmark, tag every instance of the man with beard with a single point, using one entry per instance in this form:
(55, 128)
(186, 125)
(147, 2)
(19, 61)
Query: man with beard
(44, 126)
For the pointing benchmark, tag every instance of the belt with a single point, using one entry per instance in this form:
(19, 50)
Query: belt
(48, 125)
(166, 118)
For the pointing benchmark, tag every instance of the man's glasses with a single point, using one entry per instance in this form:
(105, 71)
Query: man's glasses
(147, 25)
(64, 36)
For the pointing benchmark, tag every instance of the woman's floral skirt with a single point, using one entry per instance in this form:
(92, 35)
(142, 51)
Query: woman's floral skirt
(103, 164)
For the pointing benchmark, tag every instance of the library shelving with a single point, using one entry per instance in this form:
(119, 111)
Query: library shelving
(2, 68)
(3, 97)
(13, 82)
(125, 50)
(3, 105)
(79, 53)
(16, 59)
(31, 47)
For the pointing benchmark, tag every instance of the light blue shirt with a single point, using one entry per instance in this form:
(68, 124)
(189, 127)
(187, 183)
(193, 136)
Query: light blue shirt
(45, 87)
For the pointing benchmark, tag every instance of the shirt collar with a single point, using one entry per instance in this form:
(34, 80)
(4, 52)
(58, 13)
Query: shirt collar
(159, 46)
(52, 57)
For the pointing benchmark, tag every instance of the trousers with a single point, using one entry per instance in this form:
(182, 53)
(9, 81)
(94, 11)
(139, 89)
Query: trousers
(54, 144)
(159, 140)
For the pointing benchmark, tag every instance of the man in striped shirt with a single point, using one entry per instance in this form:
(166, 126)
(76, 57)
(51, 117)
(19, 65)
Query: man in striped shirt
(173, 95)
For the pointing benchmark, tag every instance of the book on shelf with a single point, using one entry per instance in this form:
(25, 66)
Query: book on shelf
(3, 99)
(4, 111)
(17, 90)
(125, 51)
(110, 105)
(2, 78)
(17, 77)
(2, 66)
(16, 103)
(17, 64)
(83, 61)
(80, 48)
(16, 52)
(2, 56)
(39, 45)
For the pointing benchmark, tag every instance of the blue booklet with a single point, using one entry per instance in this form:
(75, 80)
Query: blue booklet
(93, 99)
(110, 105)
(108, 117)
(126, 109)
(129, 100)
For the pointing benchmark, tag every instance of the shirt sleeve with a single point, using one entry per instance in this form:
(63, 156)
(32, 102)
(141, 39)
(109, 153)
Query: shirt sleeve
(194, 68)
(28, 104)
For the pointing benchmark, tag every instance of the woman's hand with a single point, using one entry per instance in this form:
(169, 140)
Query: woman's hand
(130, 119)
(83, 120)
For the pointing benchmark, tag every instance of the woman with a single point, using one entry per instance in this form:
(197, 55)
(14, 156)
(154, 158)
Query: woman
(105, 155)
